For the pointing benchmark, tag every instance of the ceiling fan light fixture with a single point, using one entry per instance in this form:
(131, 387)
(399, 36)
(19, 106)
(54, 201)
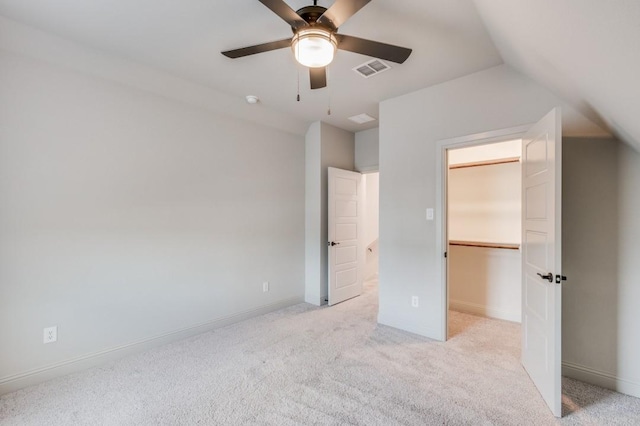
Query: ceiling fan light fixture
(314, 47)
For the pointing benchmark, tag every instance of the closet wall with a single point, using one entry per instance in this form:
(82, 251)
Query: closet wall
(484, 199)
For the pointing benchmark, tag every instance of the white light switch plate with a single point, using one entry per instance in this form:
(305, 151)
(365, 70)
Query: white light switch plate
(429, 214)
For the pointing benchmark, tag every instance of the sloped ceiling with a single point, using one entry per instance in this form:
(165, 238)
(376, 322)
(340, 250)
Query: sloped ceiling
(185, 38)
(586, 51)
(582, 50)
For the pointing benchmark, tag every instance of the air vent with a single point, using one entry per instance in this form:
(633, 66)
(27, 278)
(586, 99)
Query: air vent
(371, 68)
(362, 118)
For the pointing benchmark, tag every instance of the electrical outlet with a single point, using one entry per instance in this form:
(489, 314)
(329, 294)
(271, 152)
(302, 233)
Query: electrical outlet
(415, 302)
(50, 334)
(265, 286)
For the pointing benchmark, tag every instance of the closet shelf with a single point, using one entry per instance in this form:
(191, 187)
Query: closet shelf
(485, 163)
(506, 246)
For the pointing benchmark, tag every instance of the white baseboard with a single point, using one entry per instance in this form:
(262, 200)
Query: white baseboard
(600, 378)
(487, 311)
(32, 377)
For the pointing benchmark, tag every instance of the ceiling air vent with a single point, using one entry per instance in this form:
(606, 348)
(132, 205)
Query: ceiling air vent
(371, 68)
(362, 118)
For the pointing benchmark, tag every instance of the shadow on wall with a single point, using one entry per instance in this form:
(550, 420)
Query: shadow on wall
(590, 241)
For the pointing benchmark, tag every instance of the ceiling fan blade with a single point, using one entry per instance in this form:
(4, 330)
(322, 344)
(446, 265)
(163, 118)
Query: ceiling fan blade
(283, 10)
(374, 49)
(258, 48)
(318, 77)
(340, 11)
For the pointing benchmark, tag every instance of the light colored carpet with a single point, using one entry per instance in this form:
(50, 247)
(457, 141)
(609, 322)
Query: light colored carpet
(308, 365)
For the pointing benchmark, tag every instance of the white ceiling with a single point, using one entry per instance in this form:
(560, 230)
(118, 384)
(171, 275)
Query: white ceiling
(583, 50)
(185, 38)
(586, 51)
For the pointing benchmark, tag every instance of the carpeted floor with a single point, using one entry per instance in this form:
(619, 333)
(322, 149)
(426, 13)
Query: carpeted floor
(330, 366)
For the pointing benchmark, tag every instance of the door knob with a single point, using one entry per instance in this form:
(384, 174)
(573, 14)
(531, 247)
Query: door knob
(333, 243)
(548, 277)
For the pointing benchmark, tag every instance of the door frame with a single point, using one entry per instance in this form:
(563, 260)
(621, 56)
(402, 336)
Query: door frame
(442, 147)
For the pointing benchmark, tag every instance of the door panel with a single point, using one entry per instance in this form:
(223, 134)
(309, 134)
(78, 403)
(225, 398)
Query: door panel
(541, 245)
(346, 231)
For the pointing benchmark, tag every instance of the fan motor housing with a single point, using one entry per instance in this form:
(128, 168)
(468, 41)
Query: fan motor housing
(311, 15)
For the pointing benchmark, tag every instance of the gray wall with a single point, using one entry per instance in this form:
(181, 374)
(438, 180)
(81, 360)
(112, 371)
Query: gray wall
(600, 220)
(313, 215)
(600, 250)
(410, 127)
(125, 216)
(326, 146)
(367, 150)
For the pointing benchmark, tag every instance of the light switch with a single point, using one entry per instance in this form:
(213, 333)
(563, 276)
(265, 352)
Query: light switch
(429, 214)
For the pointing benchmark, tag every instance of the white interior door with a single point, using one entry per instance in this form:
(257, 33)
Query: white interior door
(346, 235)
(541, 257)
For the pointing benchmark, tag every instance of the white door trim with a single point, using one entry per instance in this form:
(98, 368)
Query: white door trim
(441, 198)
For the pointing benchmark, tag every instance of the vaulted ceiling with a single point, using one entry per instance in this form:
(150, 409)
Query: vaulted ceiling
(586, 51)
(583, 50)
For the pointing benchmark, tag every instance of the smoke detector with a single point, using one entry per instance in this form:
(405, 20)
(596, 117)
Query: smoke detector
(252, 99)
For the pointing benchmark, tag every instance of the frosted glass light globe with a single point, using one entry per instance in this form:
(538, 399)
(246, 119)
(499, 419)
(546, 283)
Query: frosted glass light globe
(314, 48)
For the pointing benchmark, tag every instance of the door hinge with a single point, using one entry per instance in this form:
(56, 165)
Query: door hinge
(445, 254)
(560, 278)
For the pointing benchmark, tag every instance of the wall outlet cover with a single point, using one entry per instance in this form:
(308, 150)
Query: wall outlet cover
(50, 334)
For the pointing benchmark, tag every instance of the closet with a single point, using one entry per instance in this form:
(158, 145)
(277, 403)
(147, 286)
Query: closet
(484, 230)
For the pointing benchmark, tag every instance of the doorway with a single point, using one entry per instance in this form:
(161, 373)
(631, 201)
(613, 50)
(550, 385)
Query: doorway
(484, 230)
(541, 245)
(352, 222)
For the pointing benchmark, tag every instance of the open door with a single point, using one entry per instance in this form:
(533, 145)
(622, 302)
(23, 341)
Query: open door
(346, 235)
(542, 257)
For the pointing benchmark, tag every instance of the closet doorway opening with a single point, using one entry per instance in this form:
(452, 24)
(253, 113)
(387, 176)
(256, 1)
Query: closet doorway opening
(483, 228)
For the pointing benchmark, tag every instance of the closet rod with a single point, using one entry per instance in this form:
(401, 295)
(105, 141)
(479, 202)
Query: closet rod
(485, 245)
(485, 163)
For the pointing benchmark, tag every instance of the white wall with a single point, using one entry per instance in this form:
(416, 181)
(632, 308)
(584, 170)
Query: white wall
(485, 281)
(367, 150)
(484, 203)
(313, 215)
(326, 146)
(410, 126)
(372, 187)
(125, 216)
(601, 248)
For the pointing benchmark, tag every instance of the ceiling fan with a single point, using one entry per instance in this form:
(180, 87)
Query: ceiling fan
(316, 39)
